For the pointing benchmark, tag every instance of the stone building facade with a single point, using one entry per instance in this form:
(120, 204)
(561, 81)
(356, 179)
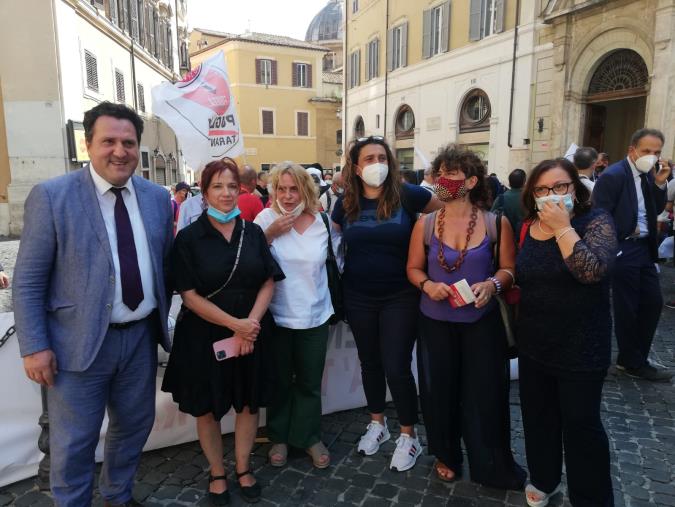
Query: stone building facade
(603, 69)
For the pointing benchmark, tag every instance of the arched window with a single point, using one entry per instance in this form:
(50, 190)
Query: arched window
(475, 113)
(359, 127)
(405, 123)
(621, 73)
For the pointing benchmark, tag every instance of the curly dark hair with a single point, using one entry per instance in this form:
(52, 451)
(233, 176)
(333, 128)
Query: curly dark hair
(582, 194)
(390, 199)
(457, 157)
(119, 111)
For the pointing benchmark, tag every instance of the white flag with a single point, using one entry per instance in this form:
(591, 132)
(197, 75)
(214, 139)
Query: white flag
(200, 110)
(569, 154)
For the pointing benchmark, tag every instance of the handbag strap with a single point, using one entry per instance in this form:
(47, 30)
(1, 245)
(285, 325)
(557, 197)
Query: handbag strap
(236, 262)
(331, 253)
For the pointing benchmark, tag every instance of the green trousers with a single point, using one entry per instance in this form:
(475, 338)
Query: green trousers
(294, 414)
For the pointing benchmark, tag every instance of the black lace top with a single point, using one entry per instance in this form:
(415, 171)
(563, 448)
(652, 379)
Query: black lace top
(564, 317)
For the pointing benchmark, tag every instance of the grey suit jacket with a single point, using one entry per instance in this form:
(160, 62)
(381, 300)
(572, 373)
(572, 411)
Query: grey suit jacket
(64, 275)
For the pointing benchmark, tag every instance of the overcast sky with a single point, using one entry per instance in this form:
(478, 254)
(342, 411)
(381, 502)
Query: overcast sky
(278, 17)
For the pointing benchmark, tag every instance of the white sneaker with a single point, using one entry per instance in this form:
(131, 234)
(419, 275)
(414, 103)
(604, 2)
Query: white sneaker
(375, 435)
(407, 451)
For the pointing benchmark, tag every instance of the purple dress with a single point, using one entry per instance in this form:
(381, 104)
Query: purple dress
(477, 266)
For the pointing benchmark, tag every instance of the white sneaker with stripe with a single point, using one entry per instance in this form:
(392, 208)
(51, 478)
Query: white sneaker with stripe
(407, 451)
(375, 435)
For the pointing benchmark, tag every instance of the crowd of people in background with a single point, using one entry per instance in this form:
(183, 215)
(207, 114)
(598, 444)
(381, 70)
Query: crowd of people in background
(440, 265)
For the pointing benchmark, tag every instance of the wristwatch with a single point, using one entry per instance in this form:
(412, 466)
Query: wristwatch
(423, 282)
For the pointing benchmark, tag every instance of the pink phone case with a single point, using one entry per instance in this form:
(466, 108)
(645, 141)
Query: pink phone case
(225, 349)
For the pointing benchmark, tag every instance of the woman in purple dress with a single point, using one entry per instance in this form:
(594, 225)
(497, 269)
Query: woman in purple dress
(462, 352)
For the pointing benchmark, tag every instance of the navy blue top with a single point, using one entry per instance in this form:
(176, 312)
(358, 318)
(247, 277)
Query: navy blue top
(564, 319)
(377, 250)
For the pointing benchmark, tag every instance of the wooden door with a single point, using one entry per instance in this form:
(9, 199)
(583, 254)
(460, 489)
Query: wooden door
(594, 130)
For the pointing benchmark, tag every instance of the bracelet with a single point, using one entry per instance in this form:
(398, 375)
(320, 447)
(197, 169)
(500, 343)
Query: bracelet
(508, 272)
(423, 282)
(558, 238)
(498, 284)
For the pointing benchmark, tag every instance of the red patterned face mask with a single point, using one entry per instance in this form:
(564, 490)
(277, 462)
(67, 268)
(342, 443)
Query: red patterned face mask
(448, 190)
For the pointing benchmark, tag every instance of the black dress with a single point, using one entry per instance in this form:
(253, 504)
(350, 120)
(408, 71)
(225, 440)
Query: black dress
(202, 259)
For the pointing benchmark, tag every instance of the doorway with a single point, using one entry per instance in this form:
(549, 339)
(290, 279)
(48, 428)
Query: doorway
(616, 101)
(610, 124)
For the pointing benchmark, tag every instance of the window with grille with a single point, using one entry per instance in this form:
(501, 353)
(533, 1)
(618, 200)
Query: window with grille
(119, 86)
(91, 69)
(475, 113)
(140, 93)
(303, 123)
(405, 123)
(267, 121)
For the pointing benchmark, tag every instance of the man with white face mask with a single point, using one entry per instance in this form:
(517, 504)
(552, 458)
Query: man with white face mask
(633, 191)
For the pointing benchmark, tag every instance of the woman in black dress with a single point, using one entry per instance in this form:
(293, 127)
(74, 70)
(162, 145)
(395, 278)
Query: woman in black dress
(564, 331)
(225, 274)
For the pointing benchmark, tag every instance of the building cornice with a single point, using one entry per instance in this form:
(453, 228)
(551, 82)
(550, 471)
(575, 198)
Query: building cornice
(565, 10)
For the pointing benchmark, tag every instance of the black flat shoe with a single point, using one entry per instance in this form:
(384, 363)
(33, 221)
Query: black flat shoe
(218, 498)
(250, 494)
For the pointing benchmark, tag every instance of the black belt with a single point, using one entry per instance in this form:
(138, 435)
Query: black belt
(126, 325)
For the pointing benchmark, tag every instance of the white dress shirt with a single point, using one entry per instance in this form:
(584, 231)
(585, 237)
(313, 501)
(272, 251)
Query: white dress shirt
(302, 299)
(588, 183)
(642, 229)
(106, 200)
(190, 210)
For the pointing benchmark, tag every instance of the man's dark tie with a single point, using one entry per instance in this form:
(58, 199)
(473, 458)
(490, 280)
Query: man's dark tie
(132, 288)
(649, 204)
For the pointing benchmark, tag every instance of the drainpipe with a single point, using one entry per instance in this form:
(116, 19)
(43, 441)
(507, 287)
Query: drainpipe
(513, 71)
(386, 70)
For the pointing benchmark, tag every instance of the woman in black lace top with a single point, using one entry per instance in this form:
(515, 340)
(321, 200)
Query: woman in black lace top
(564, 332)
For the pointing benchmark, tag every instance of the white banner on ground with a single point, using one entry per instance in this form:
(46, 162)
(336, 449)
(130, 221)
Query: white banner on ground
(20, 404)
(200, 110)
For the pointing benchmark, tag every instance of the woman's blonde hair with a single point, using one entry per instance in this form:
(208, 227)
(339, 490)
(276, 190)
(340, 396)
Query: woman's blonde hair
(308, 192)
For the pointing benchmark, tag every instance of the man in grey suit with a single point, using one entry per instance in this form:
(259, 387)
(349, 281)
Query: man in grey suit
(91, 304)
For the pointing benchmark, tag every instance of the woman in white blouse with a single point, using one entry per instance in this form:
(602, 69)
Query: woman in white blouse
(301, 307)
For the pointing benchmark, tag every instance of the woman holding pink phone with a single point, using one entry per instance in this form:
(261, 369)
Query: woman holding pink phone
(223, 270)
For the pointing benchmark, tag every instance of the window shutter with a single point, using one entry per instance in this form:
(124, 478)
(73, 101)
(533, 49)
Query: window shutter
(404, 44)
(426, 34)
(445, 27)
(151, 31)
(303, 124)
(258, 71)
(309, 76)
(368, 55)
(91, 69)
(358, 67)
(133, 14)
(119, 86)
(169, 46)
(141, 23)
(295, 74)
(499, 14)
(390, 49)
(140, 93)
(274, 72)
(124, 15)
(158, 38)
(268, 122)
(474, 20)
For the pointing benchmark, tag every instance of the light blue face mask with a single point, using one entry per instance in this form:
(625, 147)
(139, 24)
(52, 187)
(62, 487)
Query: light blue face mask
(221, 217)
(555, 199)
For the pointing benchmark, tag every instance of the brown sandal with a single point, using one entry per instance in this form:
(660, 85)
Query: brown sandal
(444, 472)
(320, 455)
(278, 455)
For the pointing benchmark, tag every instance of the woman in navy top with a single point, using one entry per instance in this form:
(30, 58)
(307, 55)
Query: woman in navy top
(376, 215)
(564, 333)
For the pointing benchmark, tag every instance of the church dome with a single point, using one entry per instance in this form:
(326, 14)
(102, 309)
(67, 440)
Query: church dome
(327, 24)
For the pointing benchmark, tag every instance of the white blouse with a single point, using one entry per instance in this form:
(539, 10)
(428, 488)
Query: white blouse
(302, 299)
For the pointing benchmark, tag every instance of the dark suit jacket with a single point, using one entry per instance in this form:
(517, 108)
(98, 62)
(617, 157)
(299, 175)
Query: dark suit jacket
(615, 192)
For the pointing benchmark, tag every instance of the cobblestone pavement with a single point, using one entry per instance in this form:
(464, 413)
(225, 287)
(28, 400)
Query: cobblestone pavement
(639, 417)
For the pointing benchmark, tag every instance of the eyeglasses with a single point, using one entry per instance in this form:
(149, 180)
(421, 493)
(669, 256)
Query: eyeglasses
(557, 189)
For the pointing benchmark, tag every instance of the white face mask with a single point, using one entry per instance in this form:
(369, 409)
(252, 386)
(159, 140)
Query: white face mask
(295, 212)
(644, 164)
(374, 175)
(566, 199)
